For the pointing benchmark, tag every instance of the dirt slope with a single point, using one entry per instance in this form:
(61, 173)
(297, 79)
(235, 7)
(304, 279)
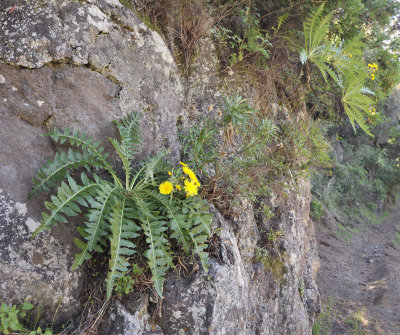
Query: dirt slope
(361, 279)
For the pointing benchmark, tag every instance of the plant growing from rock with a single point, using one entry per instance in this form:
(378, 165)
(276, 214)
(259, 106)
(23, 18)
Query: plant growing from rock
(343, 63)
(148, 204)
(11, 319)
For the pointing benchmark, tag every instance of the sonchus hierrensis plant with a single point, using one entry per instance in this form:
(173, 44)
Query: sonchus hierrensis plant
(154, 202)
(343, 62)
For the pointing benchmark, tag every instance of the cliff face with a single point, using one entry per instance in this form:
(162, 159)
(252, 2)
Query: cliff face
(82, 64)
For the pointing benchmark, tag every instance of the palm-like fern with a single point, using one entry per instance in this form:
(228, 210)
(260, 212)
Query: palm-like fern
(315, 31)
(119, 214)
(342, 63)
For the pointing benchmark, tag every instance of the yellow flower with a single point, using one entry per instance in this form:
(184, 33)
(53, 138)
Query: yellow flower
(190, 173)
(373, 66)
(372, 76)
(191, 188)
(186, 169)
(169, 173)
(178, 187)
(166, 187)
(193, 177)
(351, 56)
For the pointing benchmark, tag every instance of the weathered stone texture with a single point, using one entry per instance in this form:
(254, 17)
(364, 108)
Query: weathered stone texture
(80, 65)
(133, 322)
(38, 269)
(242, 296)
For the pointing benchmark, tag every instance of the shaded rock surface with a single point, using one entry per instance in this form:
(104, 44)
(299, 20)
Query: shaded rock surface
(79, 65)
(82, 64)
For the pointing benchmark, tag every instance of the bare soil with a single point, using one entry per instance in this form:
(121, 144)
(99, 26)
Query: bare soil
(359, 278)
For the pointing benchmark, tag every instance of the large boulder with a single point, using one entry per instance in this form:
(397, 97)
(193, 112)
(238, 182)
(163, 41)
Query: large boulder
(78, 64)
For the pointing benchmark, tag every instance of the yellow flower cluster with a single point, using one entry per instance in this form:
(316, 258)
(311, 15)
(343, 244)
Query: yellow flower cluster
(191, 184)
(373, 66)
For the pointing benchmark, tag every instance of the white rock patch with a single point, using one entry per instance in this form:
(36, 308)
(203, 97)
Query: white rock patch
(32, 224)
(99, 19)
(21, 208)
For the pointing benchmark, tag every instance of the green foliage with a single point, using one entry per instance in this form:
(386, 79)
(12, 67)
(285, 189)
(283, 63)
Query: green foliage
(323, 324)
(273, 235)
(11, 318)
(270, 263)
(121, 215)
(343, 63)
(280, 22)
(255, 151)
(199, 145)
(365, 177)
(301, 287)
(236, 111)
(251, 41)
(124, 284)
(317, 209)
(315, 31)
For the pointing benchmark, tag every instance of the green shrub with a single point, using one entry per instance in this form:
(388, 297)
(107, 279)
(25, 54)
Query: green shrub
(251, 41)
(150, 208)
(11, 318)
(317, 209)
(365, 177)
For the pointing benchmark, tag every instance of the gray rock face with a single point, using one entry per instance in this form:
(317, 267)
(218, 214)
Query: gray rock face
(243, 296)
(136, 321)
(38, 269)
(99, 61)
(69, 64)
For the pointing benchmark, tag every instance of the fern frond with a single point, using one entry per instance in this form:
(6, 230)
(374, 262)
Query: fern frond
(123, 156)
(158, 255)
(177, 222)
(326, 69)
(129, 131)
(130, 137)
(86, 143)
(355, 114)
(81, 140)
(316, 29)
(57, 169)
(84, 255)
(153, 165)
(281, 21)
(67, 201)
(366, 90)
(355, 103)
(200, 222)
(96, 224)
(123, 231)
